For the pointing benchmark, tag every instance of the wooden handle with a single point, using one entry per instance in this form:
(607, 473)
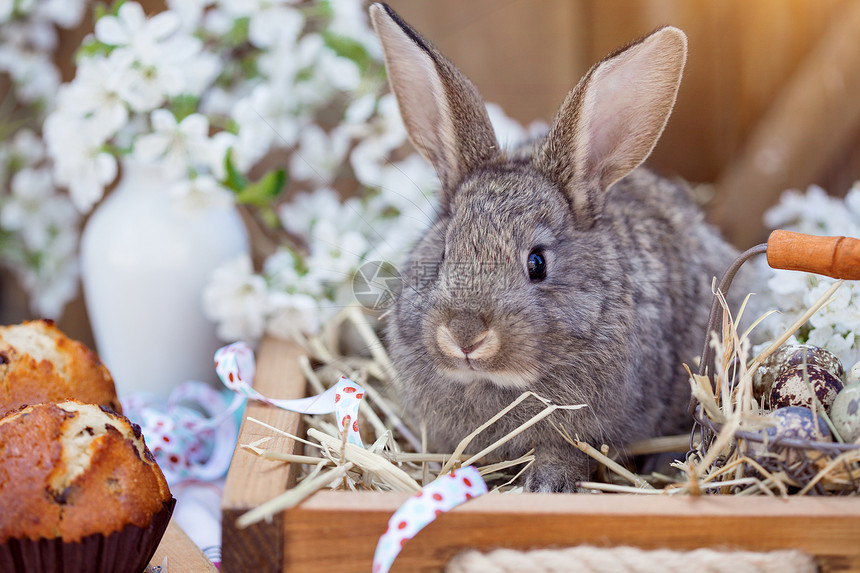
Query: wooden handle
(837, 257)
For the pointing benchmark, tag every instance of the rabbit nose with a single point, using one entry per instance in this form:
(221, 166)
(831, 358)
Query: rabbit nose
(475, 344)
(452, 345)
(467, 337)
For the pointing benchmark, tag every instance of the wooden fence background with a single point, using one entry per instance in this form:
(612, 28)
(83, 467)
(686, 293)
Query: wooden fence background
(770, 98)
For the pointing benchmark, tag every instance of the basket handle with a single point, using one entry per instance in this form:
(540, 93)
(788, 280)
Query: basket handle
(836, 257)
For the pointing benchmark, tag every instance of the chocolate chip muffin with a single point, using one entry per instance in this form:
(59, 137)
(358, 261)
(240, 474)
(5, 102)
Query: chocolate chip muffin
(78, 479)
(38, 363)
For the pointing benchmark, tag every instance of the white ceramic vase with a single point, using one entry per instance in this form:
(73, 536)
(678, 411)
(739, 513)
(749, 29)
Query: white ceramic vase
(144, 264)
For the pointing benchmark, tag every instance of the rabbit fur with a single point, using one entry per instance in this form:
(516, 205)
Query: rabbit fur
(628, 262)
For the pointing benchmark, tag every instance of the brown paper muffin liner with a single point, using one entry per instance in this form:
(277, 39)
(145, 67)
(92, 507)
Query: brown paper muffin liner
(126, 551)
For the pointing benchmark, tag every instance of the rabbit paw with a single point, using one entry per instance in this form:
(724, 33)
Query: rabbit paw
(558, 475)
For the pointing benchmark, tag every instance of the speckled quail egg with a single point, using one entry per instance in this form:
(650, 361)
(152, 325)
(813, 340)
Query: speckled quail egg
(790, 388)
(792, 355)
(853, 374)
(792, 423)
(845, 412)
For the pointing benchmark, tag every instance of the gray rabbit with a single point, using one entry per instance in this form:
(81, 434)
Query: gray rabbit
(563, 268)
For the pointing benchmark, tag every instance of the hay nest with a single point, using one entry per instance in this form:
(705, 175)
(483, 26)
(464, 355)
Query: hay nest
(728, 452)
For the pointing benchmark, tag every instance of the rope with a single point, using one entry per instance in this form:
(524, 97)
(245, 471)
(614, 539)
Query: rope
(585, 559)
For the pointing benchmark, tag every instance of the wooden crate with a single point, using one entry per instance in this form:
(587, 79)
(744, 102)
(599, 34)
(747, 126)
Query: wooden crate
(337, 531)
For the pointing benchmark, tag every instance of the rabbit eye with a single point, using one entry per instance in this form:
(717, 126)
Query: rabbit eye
(536, 265)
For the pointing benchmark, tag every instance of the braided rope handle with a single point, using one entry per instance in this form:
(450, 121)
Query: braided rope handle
(587, 559)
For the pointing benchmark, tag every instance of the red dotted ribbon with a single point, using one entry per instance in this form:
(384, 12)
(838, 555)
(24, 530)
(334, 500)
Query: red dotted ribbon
(443, 494)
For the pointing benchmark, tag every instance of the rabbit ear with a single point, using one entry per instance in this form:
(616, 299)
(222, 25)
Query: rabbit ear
(444, 115)
(612, 119)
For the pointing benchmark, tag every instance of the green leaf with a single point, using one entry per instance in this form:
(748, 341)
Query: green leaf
(269, 217)
(235, 181)
(321, 10)
(348, 48)
(238, 34)
(264, 191)
(114, 8)
(183, 105)
(5, 240)
(100, 10)
(92, 47)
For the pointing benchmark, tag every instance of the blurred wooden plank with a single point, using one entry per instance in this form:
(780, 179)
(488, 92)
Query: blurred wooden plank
(13, 299)
(702, 130)
(252, 480)
(815, 115)
(524, 56)
(181, 553)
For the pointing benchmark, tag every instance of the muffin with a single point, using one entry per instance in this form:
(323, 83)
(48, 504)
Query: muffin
(79, 491)
(38, 363)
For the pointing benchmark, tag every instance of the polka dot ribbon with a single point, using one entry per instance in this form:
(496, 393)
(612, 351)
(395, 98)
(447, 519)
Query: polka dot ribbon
(191, 434)
(236, 367)
(347, 398)
(437, 497)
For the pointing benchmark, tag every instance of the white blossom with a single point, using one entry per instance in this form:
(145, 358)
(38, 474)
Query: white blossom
(86, 171)
(236, 299)
(131, 28)
(336, 252)
(215, 153)
(508, 131)
(93, 102)
(280, 271)
(6, 9)
(292, 313)
(359, 111)
(25, 54)
(31, 188)
(266, 118)
(275, 24)
(350, 21)
(164, 63)
(39, 220)
(176, 145)
(377, 140)
(409, 186)
(301, 214)
(836, 326)
(47, 224)
(319, 154)
(331, 72)
(27, 148)
(295, 99)
(64, 13)
(220, 21)
(36, 77)
(52, 284)
(199, 72)
(200, 193)
(189, 12)
(145, 89)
